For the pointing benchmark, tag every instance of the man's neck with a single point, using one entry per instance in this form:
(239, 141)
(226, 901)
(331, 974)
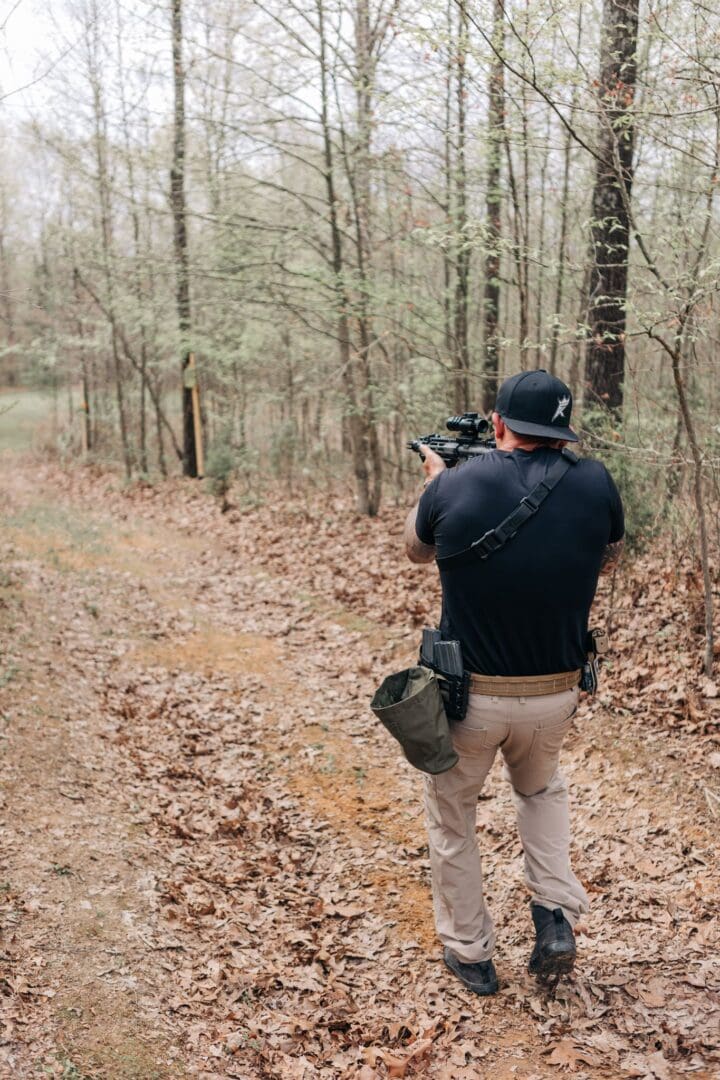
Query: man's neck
(510, 442)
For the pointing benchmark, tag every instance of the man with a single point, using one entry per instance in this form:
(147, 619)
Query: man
(521, 616)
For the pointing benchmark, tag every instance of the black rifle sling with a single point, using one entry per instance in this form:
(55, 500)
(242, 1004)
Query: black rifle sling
(497, 538)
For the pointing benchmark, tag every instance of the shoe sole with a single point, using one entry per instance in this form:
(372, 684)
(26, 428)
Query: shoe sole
(559, 964)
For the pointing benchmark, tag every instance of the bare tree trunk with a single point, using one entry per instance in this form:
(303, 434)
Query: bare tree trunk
(448, 204)
(518, 252)
(399, 354)
(364, 86)
(540, 293)
(564, 214)
(7, 313)
(610, 227)
(106, 227)
(85, 376)
(562, 250)
(355, 426)
(130, 355)
(576, 355)
(493, 210)
(524, 217)
(678, 353)
(177, 202)
(162, 463)
(135, 218)
(675, 354)
(154, 377)
(462, 247)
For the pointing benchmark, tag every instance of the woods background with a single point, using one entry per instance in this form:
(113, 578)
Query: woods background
(344, 220)
(356, 217)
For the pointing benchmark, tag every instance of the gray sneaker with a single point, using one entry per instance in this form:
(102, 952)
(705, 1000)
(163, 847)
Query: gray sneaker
(481, 978)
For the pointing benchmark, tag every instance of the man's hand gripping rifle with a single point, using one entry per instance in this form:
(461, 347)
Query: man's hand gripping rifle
(469, 443)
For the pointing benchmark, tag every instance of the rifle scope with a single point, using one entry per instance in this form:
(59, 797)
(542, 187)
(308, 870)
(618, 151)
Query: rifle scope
(470, 423)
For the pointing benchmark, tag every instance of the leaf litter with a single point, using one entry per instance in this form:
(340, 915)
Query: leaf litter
(225, 663)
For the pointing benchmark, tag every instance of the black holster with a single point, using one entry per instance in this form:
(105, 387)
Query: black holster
(445, 659)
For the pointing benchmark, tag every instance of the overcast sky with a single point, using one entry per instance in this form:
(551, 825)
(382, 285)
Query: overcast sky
(29, 48)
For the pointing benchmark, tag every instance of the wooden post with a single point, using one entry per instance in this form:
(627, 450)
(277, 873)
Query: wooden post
(84, 412)
(192, 382)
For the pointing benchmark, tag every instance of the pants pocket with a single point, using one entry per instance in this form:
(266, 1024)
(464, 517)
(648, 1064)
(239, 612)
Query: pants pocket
(547, 739)
(473, 740)
(485, 725)
(469, 740)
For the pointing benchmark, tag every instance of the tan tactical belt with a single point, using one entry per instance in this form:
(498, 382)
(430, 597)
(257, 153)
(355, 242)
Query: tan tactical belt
(523, 685)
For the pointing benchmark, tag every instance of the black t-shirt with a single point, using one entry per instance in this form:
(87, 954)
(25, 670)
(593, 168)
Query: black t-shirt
(524, 610)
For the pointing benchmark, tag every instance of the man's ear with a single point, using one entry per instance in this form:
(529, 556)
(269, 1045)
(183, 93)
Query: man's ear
(498, 425)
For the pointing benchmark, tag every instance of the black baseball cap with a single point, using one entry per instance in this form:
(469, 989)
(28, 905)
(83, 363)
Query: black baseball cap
(536, 403)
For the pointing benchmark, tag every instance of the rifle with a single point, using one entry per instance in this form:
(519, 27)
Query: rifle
(466, 445)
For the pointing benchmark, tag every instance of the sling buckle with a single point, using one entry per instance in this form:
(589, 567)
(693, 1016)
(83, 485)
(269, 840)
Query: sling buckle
(486, 545)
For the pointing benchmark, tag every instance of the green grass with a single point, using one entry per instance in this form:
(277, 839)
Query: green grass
(62, 1068)
(7, 675)
(62, 871)
(49, 519)
(24, 415)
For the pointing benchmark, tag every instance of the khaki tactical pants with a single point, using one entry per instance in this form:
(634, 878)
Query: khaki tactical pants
(529, 732)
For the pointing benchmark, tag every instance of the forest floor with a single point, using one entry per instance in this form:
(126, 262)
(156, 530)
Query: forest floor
(214, 859)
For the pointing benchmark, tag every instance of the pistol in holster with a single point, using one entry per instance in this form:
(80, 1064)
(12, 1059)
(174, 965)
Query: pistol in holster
(596, 644)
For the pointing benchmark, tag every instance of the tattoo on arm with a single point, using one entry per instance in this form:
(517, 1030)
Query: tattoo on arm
(611, 556)
(417, 552)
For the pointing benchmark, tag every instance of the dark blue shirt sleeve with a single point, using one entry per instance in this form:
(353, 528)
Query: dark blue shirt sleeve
(617, 517)
(425, 520)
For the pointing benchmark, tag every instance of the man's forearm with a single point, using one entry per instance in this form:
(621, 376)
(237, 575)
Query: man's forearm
(417, 552)
(611, 556)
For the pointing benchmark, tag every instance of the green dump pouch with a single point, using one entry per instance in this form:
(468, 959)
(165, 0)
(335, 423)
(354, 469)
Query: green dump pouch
(410, 706)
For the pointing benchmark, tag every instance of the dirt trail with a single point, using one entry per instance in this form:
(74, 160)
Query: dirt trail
(215, 863)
